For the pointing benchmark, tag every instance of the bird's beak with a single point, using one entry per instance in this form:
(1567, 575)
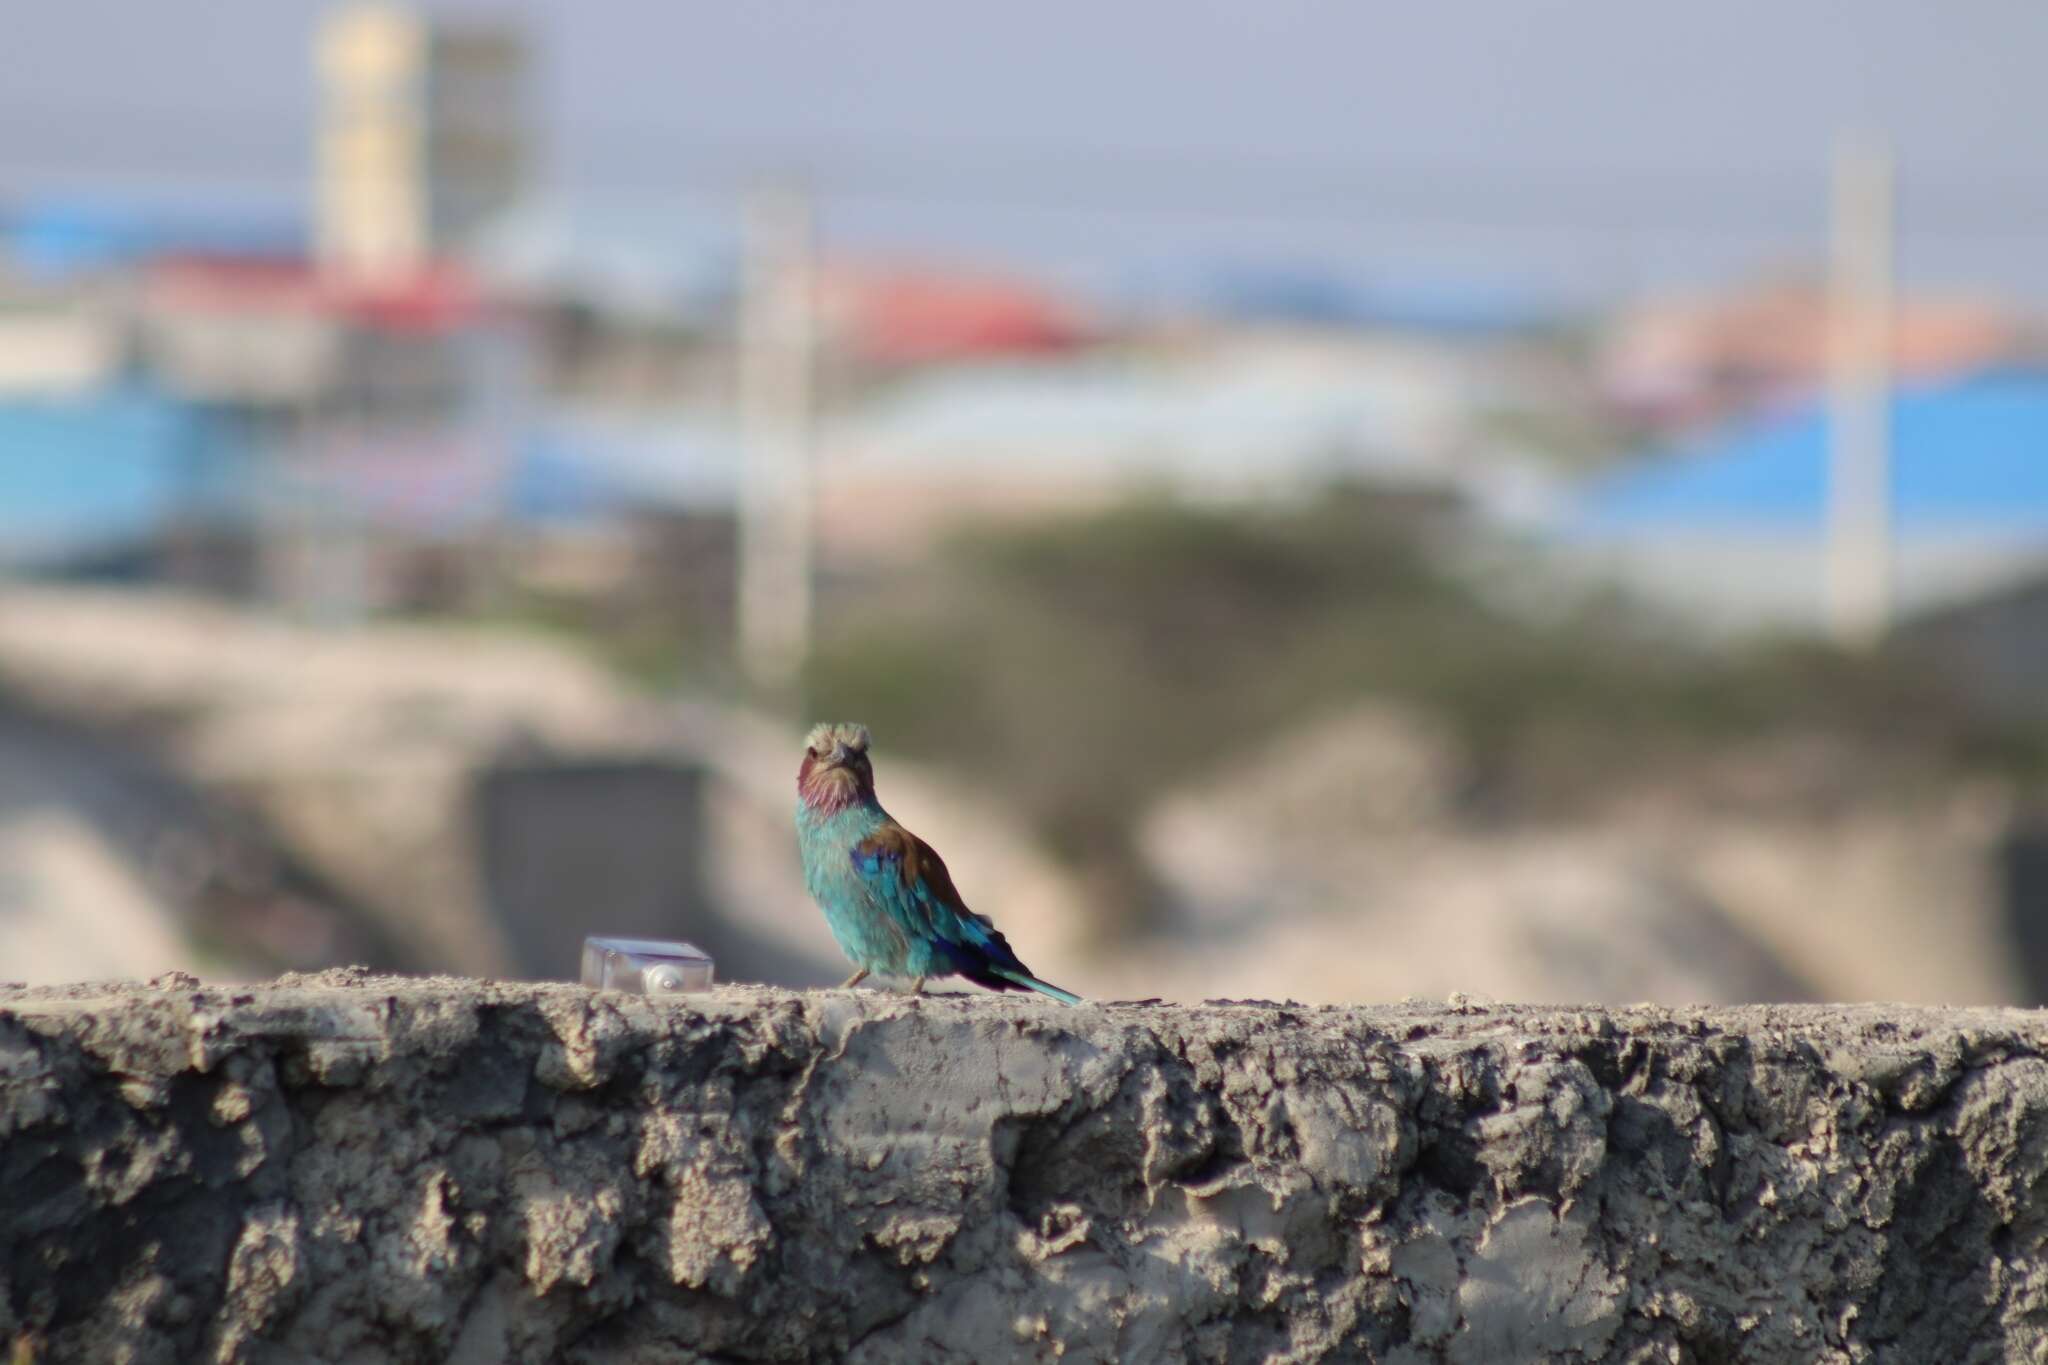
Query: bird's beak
(840, 755)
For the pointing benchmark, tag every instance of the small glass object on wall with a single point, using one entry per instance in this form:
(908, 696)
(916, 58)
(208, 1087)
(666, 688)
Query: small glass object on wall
(647, 966)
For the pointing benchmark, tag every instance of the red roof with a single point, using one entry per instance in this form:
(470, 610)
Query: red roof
(439, 298)
(903, 315)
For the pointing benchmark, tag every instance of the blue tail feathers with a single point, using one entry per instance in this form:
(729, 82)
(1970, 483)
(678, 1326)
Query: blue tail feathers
(1014, 980)
(993, 965)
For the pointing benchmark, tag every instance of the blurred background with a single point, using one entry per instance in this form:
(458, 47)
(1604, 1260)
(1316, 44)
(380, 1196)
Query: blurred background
(1543, 501)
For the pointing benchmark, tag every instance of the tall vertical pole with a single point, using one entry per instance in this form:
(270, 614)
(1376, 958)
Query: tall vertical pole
(1859, 537)
(777, 344)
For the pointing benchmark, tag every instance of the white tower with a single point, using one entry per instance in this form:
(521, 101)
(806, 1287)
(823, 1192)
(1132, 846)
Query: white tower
(422, 131)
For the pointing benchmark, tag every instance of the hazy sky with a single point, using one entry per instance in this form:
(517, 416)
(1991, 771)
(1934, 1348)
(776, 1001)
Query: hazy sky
(1598, 144)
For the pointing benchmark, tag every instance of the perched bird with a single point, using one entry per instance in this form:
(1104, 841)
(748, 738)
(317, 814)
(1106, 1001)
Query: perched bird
(886, 894)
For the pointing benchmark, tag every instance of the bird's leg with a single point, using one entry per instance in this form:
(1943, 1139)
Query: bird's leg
(917, 986)
(854, 980)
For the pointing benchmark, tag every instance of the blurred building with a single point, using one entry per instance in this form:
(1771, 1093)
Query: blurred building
(1731, 528)
(283, 412)
(75, 240)
(907, 315)
(1233, 414)
(422, 135)
(57, 340)
(98, 479)
(276, 334)
(1676, 363)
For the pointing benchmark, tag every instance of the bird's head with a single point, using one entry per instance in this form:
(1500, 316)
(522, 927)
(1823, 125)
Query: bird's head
(835, 772)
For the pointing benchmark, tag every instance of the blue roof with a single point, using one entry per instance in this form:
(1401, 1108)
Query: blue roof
(81, 475)
(1965, 455)
(58, 236)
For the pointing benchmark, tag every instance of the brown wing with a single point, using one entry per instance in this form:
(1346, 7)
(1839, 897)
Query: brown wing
(911, 882)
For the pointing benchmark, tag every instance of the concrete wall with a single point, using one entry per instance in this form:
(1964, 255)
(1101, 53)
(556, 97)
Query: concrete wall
(354, 1169)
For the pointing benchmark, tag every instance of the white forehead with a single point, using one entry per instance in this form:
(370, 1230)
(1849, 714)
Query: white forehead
(854, 737)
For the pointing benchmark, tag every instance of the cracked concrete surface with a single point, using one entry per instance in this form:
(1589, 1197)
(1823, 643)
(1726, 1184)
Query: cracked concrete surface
(359, 1169)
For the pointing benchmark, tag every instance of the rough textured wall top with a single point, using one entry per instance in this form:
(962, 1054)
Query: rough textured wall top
(345, 1169)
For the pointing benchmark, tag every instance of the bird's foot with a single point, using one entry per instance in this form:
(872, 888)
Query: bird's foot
(854, 980)
(917, 986)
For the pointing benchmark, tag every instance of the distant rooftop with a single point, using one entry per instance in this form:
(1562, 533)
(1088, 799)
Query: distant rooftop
(1965, 455)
